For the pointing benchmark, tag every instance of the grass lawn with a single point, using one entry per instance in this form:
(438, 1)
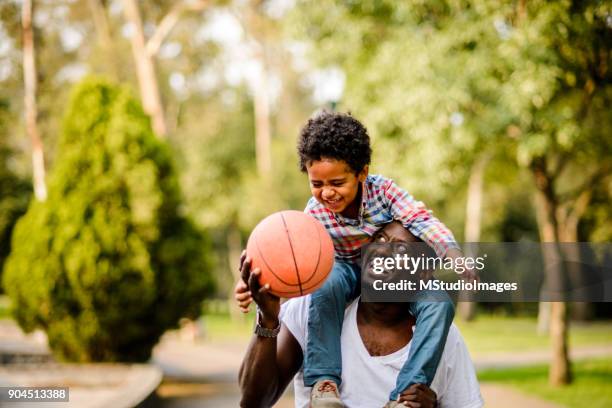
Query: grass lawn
(220, 327)
(592, 386)
(489, 334)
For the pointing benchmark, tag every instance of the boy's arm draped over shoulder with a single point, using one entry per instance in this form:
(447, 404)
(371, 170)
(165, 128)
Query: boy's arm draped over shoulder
(418, 219)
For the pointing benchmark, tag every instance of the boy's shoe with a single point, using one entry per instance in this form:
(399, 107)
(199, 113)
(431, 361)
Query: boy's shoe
(325, 394)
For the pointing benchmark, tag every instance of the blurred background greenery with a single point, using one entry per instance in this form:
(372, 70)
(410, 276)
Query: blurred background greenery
(494, 113)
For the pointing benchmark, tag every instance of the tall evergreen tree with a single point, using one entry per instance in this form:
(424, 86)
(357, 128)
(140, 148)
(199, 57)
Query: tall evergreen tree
(108, 262)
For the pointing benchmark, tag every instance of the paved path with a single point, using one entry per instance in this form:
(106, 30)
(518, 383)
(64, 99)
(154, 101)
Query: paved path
(500, 396)
(212, 371)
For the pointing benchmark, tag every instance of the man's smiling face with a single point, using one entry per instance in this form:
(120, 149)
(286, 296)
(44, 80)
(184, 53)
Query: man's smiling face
(387, 243)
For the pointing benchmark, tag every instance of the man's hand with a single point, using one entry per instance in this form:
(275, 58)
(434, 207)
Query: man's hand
(418, 396)
(242, 294)
(248, 289)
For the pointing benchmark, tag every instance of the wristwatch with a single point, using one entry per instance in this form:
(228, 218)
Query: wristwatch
(264, 331)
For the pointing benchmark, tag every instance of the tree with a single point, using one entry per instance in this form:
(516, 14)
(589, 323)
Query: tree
(108, 263)
(530, 80)
(15, 191)
(31, 110)
(144, 52)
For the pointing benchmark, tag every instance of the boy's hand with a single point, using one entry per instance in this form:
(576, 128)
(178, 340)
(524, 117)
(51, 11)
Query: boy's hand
(469, 275)
(418, 396)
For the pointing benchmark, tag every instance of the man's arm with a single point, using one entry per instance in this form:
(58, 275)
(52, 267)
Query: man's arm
(268, 367)
(270, 362)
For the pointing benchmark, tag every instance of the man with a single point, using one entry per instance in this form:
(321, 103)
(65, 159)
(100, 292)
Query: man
(375, 342)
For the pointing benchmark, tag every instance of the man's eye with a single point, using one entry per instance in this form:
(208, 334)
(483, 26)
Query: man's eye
(402, 248)
(381, 239)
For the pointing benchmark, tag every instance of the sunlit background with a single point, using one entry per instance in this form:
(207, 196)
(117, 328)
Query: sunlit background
(141, 141)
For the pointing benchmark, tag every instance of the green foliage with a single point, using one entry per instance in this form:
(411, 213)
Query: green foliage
(107, 263)
(439, 82)
(217, 151)
(15, 192)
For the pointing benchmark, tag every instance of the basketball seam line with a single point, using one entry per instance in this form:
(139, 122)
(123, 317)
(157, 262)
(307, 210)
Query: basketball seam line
(316, 267)
(297, 272)
(263, 258)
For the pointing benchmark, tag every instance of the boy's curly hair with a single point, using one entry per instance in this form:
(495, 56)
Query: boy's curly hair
(337, 136)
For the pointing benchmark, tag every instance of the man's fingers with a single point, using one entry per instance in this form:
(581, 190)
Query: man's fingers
(264, 289)
(412, 389)
(254, 284)
(242, 257)
(245, 269)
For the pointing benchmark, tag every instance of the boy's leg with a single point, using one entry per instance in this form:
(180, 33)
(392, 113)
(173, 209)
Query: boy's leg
(433, 319)
(323, 360)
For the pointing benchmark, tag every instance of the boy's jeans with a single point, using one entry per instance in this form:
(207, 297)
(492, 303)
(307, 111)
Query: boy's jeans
(323, 358)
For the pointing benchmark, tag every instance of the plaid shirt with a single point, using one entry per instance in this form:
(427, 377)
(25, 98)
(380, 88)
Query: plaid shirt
(382, 202)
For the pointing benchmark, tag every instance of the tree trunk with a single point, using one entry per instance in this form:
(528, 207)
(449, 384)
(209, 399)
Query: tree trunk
(256, 28)
(103, 34)
(145, 70)
(547, 234)
(569, 217)
(546, 203)
(263, 138)
(466, 308)
(31, 110)
(559, 373)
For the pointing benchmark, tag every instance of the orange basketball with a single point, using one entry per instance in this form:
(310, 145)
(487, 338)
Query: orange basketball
(293, 251)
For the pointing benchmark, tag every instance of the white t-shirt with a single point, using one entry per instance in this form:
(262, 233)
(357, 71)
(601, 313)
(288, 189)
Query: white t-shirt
(367, 381)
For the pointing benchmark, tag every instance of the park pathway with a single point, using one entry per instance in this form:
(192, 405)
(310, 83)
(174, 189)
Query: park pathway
(204, 374)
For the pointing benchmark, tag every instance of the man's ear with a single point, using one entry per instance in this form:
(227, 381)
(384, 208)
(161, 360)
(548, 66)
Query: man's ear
(363, 174)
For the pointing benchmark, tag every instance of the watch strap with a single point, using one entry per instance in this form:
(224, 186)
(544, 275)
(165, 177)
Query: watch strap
(264, 331)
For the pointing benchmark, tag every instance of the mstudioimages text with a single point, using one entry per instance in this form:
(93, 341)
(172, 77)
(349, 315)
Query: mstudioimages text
(437, 285)
(414, 264)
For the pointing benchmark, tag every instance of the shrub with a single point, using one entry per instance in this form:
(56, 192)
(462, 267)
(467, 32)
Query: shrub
(107, 263)
(15, 193)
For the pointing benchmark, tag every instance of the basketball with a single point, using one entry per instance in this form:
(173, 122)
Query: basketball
(293, 251)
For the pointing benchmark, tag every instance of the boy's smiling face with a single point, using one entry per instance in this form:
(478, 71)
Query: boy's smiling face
(335, 185)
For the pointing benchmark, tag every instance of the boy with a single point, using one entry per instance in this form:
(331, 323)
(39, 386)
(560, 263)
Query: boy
(334, 150)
